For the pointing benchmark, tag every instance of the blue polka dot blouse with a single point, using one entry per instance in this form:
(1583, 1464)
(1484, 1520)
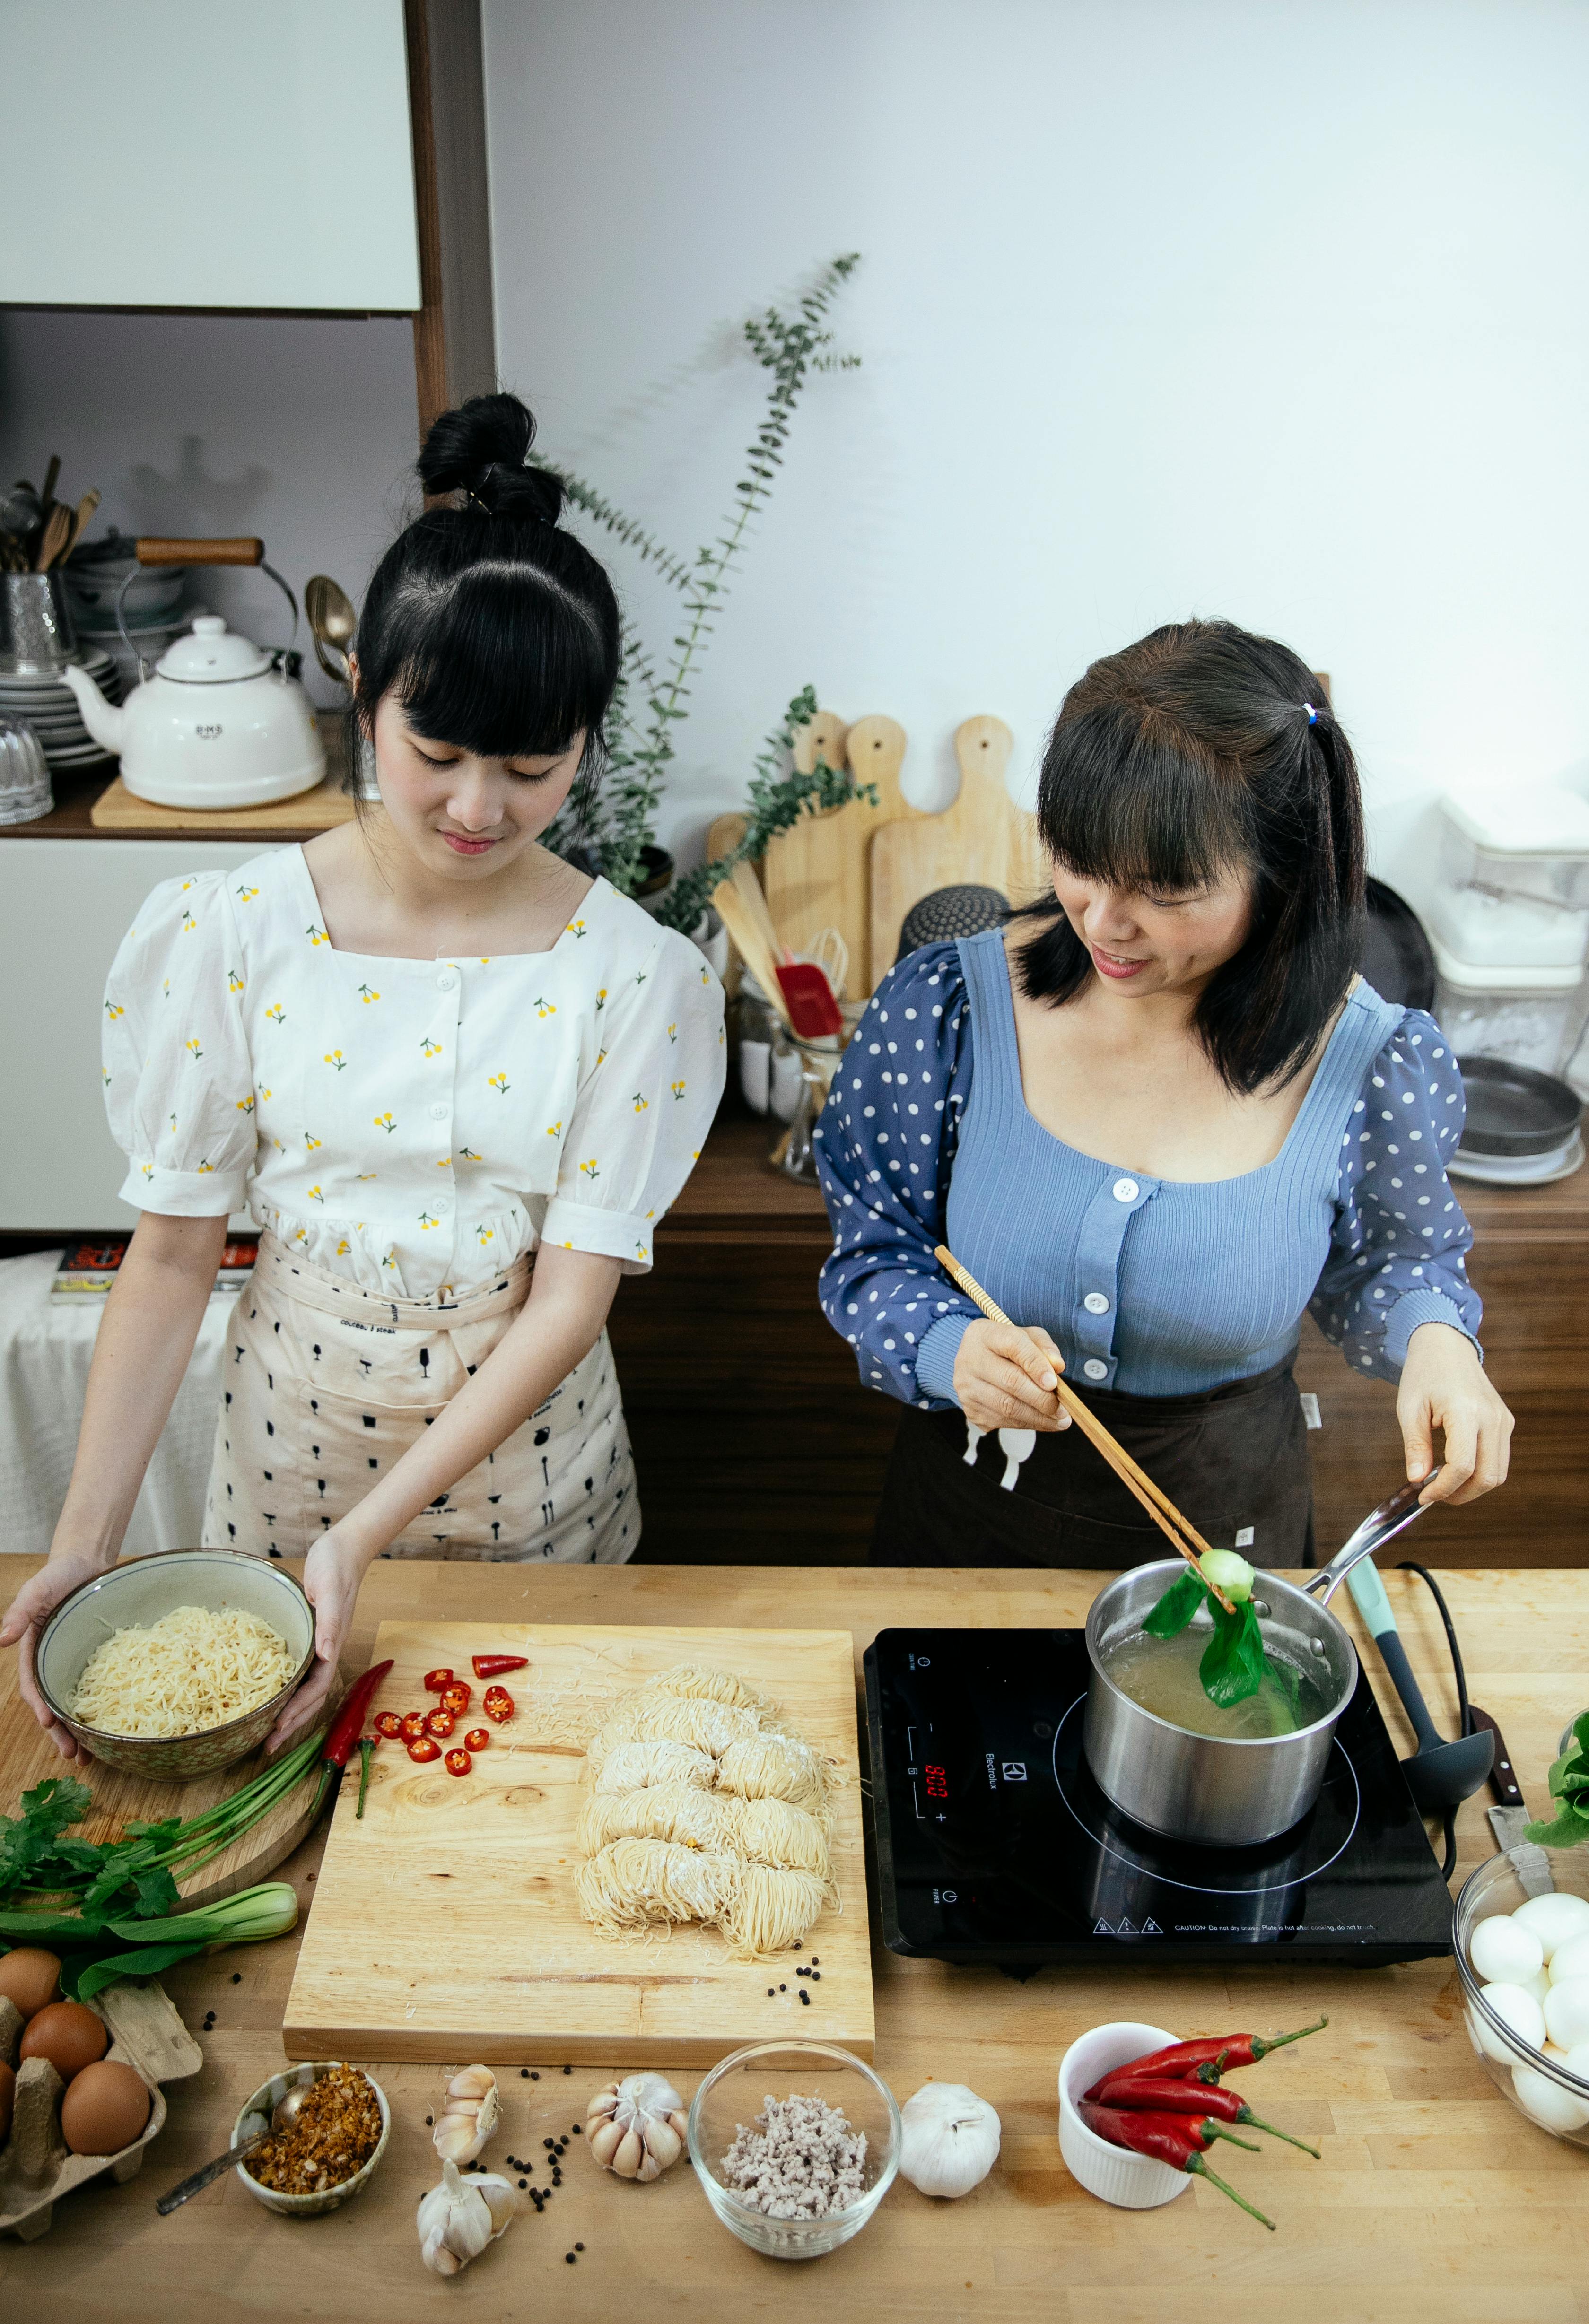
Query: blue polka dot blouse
(1156, 1287)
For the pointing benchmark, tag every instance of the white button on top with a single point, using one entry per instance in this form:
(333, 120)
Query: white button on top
(439, 1112)
(1095, 1370)
(1095, 1303)
(1126, 1190)
(446, 980)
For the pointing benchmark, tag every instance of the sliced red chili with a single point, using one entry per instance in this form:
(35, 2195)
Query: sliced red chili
(477, 1737)
(458, 1697)
(458, 1763)
(497, 1705)
(387, 1723)
(436, 1679)
(439, 1724)
(414, 1725)
(422, 1748)
(494, 1665)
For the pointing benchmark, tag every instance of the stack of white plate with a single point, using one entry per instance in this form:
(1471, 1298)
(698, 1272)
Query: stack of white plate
(43, 698)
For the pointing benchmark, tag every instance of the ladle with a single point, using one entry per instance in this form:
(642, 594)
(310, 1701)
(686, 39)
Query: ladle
(286, 2111)
(333, 622)
(1441, 1773)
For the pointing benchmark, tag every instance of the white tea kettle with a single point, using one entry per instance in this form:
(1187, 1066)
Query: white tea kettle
(219, 724)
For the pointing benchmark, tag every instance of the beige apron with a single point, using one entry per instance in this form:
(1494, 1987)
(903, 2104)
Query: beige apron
(326, 1384)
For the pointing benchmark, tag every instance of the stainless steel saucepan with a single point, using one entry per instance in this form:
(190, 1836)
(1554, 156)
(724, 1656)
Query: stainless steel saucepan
(1217, 1790)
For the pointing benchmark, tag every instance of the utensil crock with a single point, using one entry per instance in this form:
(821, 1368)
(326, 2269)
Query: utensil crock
(37, 631)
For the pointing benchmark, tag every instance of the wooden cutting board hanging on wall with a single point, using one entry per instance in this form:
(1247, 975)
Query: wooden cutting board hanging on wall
(817, 873)
(982, 839)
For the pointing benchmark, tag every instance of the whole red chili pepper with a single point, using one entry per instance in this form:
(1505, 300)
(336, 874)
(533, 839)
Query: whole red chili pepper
(346, 1727)
(494, 1665)
(1206, 2059)
(1161, 2094)
(1166, 2138)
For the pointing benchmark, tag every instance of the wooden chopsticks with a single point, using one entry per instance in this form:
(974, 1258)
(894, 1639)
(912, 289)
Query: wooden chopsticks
(1178, 1529)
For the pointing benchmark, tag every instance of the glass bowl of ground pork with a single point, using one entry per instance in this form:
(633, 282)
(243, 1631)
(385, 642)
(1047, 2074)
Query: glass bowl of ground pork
(796, 2144)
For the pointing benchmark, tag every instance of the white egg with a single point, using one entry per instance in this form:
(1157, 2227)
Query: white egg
(1571, 1960)
(1516, 2009)
(1567, 2012)
(1538, 1985)
(1503, 1954)
(1546, 2102)
(1555, 1919)
(1576, 2061)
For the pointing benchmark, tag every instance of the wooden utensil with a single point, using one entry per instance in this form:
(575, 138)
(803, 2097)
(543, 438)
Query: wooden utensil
(1159, 1505)
(817, 873)
(730, 907)
(755, 903)
(982, 839)
(81, 521)
(56, 534)
(51, 478)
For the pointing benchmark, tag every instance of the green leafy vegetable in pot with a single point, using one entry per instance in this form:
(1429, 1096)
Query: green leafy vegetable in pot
(1234, 1663)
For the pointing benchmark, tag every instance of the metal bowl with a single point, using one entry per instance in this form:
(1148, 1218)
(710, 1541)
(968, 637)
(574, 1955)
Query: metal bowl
(139, 1592)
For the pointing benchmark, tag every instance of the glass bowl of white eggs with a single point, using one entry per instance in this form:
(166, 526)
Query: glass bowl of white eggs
(1524, 1959)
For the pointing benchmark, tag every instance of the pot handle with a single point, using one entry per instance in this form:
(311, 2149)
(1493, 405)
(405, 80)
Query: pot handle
(151, 550)
(1393, 1515)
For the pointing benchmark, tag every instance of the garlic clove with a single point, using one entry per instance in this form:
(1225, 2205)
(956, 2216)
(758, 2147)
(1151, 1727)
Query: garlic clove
(665, 2143)
(604, 2142)
(459, 2217)
(470, 2115)
(630, 2156)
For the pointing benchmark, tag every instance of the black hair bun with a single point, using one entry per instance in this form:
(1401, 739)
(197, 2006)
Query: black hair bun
(480, 449)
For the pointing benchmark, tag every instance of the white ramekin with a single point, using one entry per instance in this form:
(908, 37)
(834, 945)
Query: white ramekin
(1136, 2182)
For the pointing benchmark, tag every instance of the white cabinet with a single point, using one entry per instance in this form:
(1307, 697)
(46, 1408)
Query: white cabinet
(65, 905)
(231, 153)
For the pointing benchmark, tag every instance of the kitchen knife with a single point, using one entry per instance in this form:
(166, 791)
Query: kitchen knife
(1509, 1819)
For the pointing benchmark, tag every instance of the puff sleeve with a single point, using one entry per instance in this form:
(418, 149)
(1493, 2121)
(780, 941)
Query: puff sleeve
(179, 1083)
(644, 1107)
(1400, 1239)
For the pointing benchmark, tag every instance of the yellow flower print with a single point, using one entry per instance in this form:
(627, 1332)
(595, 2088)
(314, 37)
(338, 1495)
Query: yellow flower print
(343, 1247)
(188, 923)
(679, 1088)
(316, 935)
(166, 987)
(246, 1105)
(469, 1153)
(314, 1195)
(601, 999)
(193, 1049)
(113, 1010)
(148, 1169)
(641, 975)
(485, 960)
(590, 1169)
(106, 1076)
(640, 1105)
(485, 1234)
(601, 1057)
(545, 1008)
(705, 977)
(672, 1032)
(499, 1082)
(263, 1095)
(277, 1015)
(312, 1144)
(386, 1122)
(203, 1166)
(247, 895)
(427, 1219)
(446, 1163)
(362, 1176)
(186, 885)
(575, 928)
(641, 1251)
(233, 982)
(367, 993)
(173, 1123)
(554, 1129)
(430, 1049)
(301, 1236)
(337, 1061)
(389, 1259)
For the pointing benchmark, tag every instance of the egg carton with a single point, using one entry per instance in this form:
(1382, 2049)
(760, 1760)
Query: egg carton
(147, 2034)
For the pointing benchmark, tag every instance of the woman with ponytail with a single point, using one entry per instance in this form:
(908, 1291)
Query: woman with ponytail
(456, 1080)
(1158, 1117)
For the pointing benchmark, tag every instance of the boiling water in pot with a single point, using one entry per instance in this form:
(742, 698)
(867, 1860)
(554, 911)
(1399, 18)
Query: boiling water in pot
(1162, 1675)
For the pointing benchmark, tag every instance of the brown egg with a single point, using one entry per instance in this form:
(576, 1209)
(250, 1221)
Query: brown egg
(104, 2109)
(7, 2092)
(29, 1978)
(68, 2034)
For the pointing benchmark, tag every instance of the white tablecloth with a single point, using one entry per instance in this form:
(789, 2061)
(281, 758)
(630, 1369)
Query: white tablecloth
(45, 1349)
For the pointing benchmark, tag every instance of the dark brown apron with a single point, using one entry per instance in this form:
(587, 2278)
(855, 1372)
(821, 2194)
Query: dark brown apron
(1231, 1459)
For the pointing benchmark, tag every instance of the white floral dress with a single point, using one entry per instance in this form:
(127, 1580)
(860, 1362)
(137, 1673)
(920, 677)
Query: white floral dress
(406, 1133)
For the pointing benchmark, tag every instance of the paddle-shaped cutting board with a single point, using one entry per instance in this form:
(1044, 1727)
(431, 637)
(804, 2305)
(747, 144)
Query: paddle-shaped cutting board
(982, 839)
(445, 1925)
(816, 873)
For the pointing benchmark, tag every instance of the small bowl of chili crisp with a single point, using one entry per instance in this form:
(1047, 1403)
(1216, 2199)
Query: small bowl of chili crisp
(1135, 2182)
(329, 2153)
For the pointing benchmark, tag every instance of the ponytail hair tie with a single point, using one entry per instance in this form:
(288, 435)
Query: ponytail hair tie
(1312, 714)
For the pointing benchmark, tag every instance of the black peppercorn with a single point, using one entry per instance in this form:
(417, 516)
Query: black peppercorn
(533, 2075)
(237, 1976)
(579, 2246)
(816, 1977)
(569, 2257)
(568, 2070)
(523, 2182)
(523, 2073)
(806, 1999)
(578, 2130)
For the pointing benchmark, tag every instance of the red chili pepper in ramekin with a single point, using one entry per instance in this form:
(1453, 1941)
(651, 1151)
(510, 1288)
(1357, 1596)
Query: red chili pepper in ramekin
(494, 1665)
(423, 1750)
(1155, 2093)
(497, 1705)
(439, 1724)
(1177, 2139)
(458, 1763)
(436, 1679)
(1206, 2059)
(457, 1697)
(478, 1738)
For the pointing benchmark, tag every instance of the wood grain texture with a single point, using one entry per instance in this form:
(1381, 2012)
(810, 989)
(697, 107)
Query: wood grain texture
(1435, 2202)
(455, 331)
(981, 839)
(525, 1974)
(817, 873)
(320, 809)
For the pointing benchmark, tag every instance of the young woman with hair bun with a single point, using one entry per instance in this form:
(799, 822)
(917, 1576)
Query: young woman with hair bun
(456, 1080)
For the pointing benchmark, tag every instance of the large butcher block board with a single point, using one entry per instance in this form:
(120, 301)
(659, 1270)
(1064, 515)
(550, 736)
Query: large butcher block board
(445, 1925)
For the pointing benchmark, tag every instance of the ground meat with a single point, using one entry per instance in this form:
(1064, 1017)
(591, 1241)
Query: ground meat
(800, 2160)
(333, 2135)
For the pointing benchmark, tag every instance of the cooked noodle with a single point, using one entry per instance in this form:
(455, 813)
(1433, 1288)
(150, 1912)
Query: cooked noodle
(191, 1671)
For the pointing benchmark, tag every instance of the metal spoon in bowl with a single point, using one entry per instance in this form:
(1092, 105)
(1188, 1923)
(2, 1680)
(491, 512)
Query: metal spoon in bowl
(285, 2112)
(333, 621)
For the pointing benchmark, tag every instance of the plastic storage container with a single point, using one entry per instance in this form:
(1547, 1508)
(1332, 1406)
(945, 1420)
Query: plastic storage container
(1530, 1016)
(1513, 887)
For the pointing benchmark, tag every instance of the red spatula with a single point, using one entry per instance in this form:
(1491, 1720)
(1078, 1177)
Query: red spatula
(813, 1012)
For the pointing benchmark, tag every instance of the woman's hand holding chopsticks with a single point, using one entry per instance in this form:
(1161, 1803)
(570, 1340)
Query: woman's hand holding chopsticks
(1006, 1376)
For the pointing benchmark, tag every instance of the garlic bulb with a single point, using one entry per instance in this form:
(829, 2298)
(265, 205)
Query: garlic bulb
(636, 2127)
(469, 2117)
(951, 2139)
(458, 2218)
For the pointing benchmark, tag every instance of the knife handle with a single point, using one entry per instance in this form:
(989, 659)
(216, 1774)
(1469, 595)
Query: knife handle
(1503, 1782)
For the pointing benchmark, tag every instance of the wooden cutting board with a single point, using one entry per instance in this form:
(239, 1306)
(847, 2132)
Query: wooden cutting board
(982, 839)
(27, 1757)
(321, 809)
(445, 1927)
(816, 871)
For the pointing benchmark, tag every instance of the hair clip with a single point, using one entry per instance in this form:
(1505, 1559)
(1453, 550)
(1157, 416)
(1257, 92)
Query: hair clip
(1312, 714)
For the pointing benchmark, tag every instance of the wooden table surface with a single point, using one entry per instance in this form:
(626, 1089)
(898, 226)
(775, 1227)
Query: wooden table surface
(1436, 2199)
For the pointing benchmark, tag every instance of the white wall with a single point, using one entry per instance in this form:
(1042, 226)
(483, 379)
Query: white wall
(1264, 308)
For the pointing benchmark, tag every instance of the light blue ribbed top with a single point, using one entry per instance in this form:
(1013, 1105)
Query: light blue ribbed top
(1156, 1287)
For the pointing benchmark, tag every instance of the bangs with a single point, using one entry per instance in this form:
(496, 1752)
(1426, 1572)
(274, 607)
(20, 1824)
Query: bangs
(499, 660)
(1138, 809)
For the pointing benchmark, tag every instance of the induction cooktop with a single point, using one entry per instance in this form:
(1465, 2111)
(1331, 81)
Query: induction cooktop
(995, 1846)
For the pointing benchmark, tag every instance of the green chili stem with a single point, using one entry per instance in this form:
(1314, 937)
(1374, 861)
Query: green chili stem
(1197, 2164)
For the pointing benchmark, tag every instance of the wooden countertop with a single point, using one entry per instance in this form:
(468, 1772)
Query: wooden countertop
(1434, 2200)
(71, 817)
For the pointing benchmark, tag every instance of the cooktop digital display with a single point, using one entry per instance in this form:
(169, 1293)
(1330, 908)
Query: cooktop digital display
(995, 1845)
